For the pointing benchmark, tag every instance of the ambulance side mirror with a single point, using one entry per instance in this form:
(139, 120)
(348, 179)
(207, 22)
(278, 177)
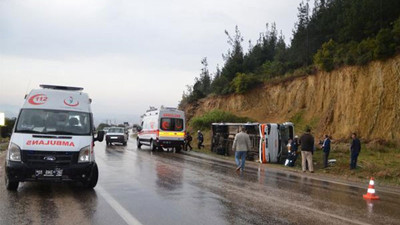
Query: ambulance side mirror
(100, 136)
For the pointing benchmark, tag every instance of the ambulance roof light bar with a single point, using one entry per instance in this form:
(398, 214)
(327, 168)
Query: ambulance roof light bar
(58, 87)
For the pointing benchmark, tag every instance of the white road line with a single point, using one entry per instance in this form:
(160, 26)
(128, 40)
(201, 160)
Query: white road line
(122, 212)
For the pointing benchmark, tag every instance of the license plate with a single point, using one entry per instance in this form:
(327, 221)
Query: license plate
(114, 137)
(49, 173)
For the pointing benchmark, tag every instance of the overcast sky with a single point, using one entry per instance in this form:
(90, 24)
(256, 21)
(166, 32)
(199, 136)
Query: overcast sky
(127, 54)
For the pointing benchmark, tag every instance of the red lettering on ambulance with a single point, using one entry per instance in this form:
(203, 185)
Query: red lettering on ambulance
(56, 143)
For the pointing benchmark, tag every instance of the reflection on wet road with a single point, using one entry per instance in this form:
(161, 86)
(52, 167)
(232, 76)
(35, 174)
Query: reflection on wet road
(144, 187)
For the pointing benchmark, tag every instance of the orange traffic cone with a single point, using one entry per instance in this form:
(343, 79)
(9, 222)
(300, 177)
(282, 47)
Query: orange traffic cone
(371, 191)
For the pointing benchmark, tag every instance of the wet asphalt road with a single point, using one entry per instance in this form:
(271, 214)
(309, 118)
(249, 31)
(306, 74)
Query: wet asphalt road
(144, 187)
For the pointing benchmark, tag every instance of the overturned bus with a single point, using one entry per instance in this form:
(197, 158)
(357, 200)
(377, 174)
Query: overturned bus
(268, 140)
(223, 135)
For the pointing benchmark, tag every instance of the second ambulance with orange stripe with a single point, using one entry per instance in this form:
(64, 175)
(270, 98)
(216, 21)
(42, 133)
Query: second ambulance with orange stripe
(162, 128)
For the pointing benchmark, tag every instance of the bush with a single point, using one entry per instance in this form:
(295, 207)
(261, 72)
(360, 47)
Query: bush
(396, 33)
(324, 58)
(272, 69)
(385, 46)
(219, 85)
(351, 54)
(7, 129)
(365, 51)
(215, 116)
(243, 82)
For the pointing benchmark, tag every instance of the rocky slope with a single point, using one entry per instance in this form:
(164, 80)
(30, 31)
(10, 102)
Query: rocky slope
(364, 99)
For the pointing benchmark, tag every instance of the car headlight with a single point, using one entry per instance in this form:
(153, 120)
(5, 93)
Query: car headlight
(14, 152)
(84, 155)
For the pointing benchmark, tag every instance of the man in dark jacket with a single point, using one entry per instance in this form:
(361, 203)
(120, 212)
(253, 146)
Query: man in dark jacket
(307, 147)
(200, 139)
(355, 148)
(326, 147)
(188, 139)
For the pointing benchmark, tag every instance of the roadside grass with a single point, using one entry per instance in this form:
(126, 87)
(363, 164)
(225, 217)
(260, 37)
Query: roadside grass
(375, 160)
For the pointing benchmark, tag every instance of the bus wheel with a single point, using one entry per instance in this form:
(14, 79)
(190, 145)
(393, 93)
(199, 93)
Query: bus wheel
(178, 148)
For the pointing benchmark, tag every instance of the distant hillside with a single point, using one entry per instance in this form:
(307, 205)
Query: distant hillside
(362, 99)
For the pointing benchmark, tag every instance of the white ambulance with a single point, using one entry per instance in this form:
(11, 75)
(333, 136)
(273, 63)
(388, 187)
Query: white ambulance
(162, 128)
(53, 139)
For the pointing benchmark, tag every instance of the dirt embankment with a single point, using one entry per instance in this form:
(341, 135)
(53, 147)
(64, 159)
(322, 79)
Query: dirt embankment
(364, 99)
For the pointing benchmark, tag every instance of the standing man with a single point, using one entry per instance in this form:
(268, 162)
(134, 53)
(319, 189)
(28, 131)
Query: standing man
(326, 147)
(355, 148)
(200, 139)
(307, 147)
(241, 145)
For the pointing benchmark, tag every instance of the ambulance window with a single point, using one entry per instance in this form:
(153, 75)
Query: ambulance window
(146, 123)
(178, 124)
(166, 124)
(53, 122)
(171, 124)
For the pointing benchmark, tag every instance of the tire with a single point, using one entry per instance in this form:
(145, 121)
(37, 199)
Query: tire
(10, 185)
(139, 145)
(94, 177)
(152, 146)
(178, 148)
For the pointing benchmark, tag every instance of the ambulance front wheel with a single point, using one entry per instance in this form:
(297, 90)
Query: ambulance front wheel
(139, 145)
(10, 185)
(92, 182)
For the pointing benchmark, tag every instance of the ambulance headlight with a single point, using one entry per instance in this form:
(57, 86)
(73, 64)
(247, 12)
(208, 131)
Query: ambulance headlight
(84, 155)
(14, 152)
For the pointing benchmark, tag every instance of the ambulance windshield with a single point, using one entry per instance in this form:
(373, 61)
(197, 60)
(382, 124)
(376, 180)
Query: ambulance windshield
(44, 121)
(171, 124)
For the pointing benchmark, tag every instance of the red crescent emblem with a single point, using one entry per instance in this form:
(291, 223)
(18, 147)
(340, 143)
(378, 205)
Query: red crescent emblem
(72, 105)
(38, 99)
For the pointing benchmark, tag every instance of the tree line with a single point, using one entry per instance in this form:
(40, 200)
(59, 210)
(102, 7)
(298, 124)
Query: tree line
(332, 34)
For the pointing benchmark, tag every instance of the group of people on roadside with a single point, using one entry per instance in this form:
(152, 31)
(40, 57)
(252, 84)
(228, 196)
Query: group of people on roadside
(307, 144)
(189, 138)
